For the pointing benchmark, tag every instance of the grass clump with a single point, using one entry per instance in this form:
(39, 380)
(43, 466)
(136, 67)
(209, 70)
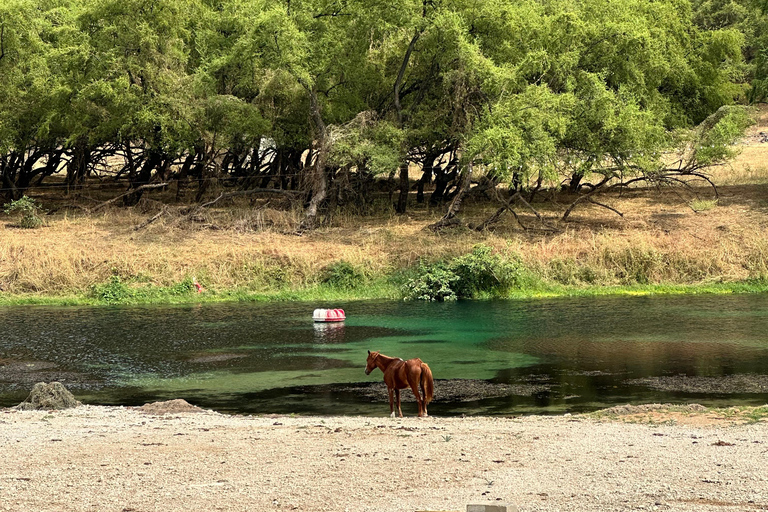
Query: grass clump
(568, 271)
(702, 205)
(114, 291)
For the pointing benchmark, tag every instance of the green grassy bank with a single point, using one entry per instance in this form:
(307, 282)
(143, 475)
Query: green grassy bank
(388, 288)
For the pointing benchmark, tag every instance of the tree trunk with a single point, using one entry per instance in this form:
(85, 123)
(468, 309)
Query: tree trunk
(402, 199)
(449, 217)
(405, 183)
(77, 168)
(142, 178)
(183, 174)
(318, 181)
(427, 167)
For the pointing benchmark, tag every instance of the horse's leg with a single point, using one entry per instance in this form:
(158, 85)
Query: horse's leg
(391, 402)
(397, 404)
(424, 401)
(415, 388)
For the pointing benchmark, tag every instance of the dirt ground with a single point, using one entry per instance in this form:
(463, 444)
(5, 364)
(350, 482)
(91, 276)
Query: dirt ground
(175, 457)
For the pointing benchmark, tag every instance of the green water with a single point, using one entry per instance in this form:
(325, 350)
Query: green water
(489, 357)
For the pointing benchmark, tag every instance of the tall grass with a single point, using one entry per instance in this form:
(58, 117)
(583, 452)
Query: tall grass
(252, 255)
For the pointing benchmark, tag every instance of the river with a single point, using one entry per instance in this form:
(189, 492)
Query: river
(544, 356)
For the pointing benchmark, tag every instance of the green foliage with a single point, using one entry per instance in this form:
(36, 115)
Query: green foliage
(114, 291)
(480, 273)
(484, 273)
(433, 282)
(343, 275)
(702, 205)
(533, 88)
(714, 138)
(30, 212)
(183, 287)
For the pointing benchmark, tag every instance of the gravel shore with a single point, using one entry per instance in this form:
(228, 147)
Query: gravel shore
(181, 459)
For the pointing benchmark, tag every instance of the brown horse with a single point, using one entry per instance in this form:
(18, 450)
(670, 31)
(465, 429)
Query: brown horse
(399, 374)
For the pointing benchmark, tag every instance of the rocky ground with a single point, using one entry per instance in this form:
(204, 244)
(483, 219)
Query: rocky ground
(173, 456)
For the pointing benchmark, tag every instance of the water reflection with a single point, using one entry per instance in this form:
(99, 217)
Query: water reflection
(529, 356)
(329, 332)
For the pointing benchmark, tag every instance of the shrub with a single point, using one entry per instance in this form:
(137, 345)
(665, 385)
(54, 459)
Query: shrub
(433, 282)
(483, 273)
(30, 212)
(114, 291)
(342, 274)
(478, 273)
(183, 287)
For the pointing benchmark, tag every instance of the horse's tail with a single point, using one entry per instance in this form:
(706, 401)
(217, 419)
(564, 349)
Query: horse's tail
(427, 384)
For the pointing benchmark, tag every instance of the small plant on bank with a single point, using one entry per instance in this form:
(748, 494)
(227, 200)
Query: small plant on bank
(342, 275)
(30, 212)
(482, 272)
(117, 291)
(187, 285)
(114, 291)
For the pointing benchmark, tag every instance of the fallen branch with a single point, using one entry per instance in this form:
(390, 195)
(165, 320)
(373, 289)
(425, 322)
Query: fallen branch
(130, 192)
(586, 196)
(507, 206)
(614, 210)
(227, 195)
(153, 219)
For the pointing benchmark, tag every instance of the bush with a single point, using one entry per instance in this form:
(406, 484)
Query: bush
(30, 212)
(482, 272)
(476, 274)
(342, 274)
(182, 288)
(433, 282)
(114, 291)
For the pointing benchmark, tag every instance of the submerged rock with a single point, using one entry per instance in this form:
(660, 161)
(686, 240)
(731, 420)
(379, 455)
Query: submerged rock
(48, 396)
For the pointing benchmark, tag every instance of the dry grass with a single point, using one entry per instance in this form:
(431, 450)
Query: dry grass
(659, 239)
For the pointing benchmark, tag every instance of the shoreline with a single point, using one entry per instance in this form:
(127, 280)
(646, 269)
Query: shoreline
(319, 294)
(170, 456)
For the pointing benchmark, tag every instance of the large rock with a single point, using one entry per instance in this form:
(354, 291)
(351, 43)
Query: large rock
(48, 396)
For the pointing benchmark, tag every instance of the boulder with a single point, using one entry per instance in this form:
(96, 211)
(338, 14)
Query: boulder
(48, 396)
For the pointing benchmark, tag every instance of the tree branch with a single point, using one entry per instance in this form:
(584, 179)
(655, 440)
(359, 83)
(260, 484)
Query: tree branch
(130, 192)
(614, 210)
(598, 187)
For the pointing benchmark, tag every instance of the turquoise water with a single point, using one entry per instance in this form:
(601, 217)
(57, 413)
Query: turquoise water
(542, 356)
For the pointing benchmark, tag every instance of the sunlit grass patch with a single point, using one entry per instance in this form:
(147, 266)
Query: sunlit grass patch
(702, 205)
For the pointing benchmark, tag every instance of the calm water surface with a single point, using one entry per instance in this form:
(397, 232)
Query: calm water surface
(512, 357)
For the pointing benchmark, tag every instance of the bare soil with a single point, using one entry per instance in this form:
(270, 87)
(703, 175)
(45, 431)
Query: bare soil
(174, 457)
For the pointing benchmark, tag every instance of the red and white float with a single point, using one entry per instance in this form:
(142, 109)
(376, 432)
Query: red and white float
(328, 315)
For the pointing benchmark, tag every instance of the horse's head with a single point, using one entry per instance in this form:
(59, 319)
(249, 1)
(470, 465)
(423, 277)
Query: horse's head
(371, 363)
